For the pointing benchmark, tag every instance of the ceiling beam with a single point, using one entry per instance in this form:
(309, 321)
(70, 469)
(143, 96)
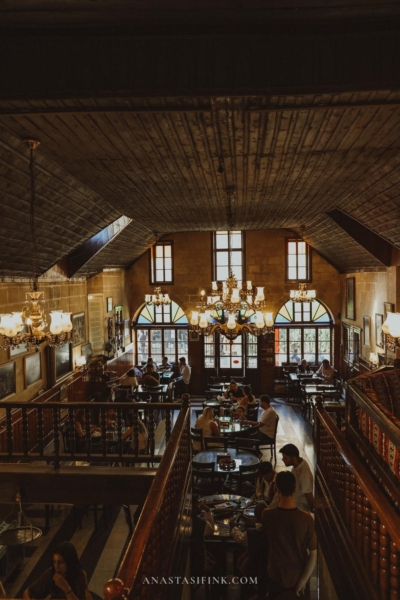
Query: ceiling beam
(373, 243)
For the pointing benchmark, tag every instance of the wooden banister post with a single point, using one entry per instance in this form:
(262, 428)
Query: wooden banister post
(114, 590)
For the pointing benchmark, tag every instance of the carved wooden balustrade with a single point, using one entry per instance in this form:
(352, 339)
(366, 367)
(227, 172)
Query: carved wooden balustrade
(357, 525)
(48, 431)
(160, 543)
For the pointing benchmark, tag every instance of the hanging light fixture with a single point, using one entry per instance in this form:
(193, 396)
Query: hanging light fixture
(229, 308)
(32, 316)
(302, 294)
(157, 298)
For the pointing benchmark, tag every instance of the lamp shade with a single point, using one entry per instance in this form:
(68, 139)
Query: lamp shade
(10, 328)
(259, 319)
(17, 318)
(235, 298)
(66, 321)
(194, 320)
(392, 323)
(166, 299)
(203, 320)
(231, 323)
(373, 358)
(260, 294)
(56, 324)
(269, 319)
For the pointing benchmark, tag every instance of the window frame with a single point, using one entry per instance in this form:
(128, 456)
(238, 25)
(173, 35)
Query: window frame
(215, 252)
(162, 327)
(216, 344)
(308, 278)
(152, 265)
(302, 327)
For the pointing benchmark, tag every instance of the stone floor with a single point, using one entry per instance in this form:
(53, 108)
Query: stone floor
(101, 550)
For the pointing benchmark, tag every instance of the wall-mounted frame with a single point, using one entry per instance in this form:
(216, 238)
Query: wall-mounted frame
(62, 361)
(388, 307)
(127, 332)
(32, 368)
(109, 305)
(7, 379)
(351, 298)
(86, 350)
(79, 332)
(378, 330)
(367, 331)
(193, 336)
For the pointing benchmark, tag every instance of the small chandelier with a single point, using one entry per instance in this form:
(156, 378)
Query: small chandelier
(157, 298)
(302, 294)
(229, 308)
(28, 326)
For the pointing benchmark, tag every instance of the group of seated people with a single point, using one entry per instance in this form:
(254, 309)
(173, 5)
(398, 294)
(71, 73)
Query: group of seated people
(210, 425)
(280, 548)
(325, 371)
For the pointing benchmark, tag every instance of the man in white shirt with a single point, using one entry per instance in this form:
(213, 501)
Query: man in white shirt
(326, 371)
(267, 422)
(304, 496)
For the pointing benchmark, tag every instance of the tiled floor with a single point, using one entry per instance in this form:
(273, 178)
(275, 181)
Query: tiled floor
(101, 550)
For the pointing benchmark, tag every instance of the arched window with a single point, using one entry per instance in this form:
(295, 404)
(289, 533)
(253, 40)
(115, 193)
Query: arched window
(161, 331)
(303, 330)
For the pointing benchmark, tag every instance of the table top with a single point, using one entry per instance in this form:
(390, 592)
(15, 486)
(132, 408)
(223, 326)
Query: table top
(300, 376)
(231, 427)
(247, 458)
(156, 389)
(166, 375)
(222, 526)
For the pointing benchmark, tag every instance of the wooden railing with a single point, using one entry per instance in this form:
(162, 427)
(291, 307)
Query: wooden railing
(384, 429)
(55, 423)
(357, 526)
(160, 543)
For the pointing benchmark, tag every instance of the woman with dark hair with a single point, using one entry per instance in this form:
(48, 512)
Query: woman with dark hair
(65, 579)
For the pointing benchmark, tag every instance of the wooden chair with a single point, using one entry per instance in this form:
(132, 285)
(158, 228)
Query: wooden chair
(271, 445)
(196, 435)
(213, 441)
(203, 477)
(244, 482)
(248, 445)
(252, 412)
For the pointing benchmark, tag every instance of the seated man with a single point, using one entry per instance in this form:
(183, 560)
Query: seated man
(267, 421)
(165, 365)
(151, 377)
(326, 371)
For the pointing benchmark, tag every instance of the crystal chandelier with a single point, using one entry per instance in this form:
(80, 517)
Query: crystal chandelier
(28, 326)
(229, 308)
(157, 298)
(302, 294)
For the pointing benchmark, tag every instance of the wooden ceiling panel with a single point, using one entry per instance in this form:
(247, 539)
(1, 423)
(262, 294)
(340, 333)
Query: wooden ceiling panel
(289, 159)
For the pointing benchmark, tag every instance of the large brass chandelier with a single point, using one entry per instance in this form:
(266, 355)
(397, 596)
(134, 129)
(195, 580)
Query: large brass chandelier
(28, 326)
(229, 309)
(302, 294)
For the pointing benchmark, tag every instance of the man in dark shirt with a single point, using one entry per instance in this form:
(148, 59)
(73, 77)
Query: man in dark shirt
(292, 541)
(151, 377)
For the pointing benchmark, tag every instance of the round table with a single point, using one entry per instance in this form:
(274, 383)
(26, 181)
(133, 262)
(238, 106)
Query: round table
(246, 458)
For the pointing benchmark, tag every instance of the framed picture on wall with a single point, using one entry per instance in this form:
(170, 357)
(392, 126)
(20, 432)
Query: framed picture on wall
(78, 324)
(193, 336)
(86, 350)
(351, 298)
(109, 304)
(62, 361)
(33, 368)
(378, 330)
(367, 331)
(7, 379)
(388, 307)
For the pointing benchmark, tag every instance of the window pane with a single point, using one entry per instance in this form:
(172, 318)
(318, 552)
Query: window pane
(222, 273)
(168, 251)
(292, 248)
(238, 272)
(236, 239)
(209, 350)
(159, 275)
(292, 273)
(236, 259)
(159, 251)
(292, 260)
(302, 273)
(301, 247)
(309, 347)
(159, 264)
(224, 362)
(168, 276)
(236, 362)
(209, 363)
(222, 259)
(282, 347)
(155, 336)
(324, 334)
(168, 263)
(221, 240)
(302, 260)
(183, 335)
(280, 358)
(310, 335)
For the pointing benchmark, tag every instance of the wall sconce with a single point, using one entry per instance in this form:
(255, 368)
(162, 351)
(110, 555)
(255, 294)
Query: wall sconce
(391, 329)
(81, 363)
(373, 358)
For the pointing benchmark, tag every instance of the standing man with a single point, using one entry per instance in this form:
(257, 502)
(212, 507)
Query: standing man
(267, 422)
(304, 497)
(186, 372)
(292, 541)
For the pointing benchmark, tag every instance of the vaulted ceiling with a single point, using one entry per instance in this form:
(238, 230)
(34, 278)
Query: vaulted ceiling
(291, 158)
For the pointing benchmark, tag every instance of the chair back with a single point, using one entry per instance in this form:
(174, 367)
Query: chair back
(214, 441)
(252, 412)
(248, 474)
(217, 379)
(248, 445)
(196, 435)
(198, 412)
